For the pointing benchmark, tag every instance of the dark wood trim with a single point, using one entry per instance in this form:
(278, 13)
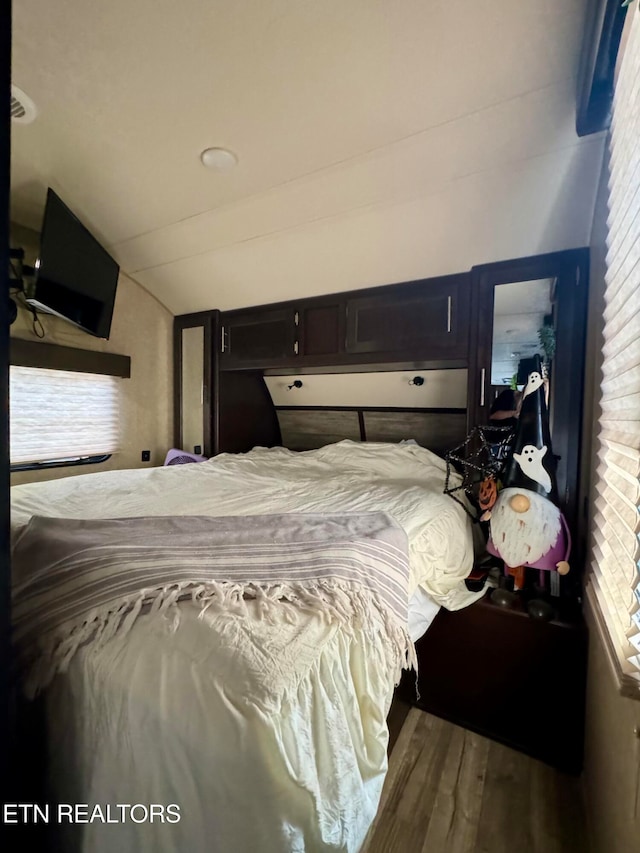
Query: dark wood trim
(6, 727)
(605, 22)
(361, 426)
(53, 357)
(209, 321)
(355, 364)
(531, 267)
(212, 385)
(398, 713)
(433, 410)
(177, 383)
(572, 294)
(247, 415)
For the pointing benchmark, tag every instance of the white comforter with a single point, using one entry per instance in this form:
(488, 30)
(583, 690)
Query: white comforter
(160, 718)
(404, 480)
(179, 718)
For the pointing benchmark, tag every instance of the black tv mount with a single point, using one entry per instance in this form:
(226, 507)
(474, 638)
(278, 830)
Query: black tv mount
(18, 271)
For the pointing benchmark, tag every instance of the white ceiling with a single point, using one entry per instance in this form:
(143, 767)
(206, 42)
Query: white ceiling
(378, 140)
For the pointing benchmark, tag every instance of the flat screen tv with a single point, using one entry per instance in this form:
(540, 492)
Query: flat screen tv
(75, 278)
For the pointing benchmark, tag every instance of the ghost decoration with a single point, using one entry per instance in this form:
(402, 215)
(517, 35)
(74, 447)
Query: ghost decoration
(530, 462)
(534, 381)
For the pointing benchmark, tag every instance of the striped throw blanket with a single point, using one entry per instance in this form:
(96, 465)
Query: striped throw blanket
(82, 582)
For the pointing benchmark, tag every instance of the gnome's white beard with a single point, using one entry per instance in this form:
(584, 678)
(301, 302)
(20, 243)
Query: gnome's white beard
(523, 537)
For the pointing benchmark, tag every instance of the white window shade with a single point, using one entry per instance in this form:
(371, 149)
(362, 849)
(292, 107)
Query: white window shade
(615, 578)
(57, 415)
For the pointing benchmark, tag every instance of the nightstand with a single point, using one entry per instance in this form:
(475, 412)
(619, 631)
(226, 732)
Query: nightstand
(498, 672)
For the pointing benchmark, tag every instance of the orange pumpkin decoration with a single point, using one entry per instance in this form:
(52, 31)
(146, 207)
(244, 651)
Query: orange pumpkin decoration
(488, 494)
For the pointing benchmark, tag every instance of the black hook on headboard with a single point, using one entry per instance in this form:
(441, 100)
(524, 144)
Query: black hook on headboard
(417, 380)
(297, 383)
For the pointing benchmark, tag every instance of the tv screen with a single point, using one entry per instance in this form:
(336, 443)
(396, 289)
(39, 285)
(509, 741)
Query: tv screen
(75, 277)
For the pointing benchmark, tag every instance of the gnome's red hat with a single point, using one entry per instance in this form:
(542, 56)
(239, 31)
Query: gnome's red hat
(531, 463)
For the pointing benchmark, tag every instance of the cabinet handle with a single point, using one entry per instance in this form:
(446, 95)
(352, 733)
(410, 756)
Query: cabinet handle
(222, 343)
(296, 318)
(448, 313)
(483, 373)
(295, 348)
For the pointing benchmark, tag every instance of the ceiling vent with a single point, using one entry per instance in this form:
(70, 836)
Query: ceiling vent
(23, 110)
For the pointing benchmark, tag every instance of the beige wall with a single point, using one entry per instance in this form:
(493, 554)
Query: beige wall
(612, 750)
(612, 757)
(141, 329)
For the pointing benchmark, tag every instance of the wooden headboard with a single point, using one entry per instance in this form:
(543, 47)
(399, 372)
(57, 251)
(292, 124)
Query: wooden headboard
(426, 406)
(306, 428)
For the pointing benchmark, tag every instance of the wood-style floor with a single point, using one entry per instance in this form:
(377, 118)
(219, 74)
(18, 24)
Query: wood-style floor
(451, 791)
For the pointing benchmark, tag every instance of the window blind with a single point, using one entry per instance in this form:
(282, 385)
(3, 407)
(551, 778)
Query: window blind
(615, 577)
(57, 415)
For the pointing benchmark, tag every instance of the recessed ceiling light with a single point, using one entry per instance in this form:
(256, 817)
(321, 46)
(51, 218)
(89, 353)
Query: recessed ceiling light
(219, 159)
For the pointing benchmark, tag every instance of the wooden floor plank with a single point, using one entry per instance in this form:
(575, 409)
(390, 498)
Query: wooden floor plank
(504, 817)
(557, 811)
(452, 791)
(454, 822)
(412, 794)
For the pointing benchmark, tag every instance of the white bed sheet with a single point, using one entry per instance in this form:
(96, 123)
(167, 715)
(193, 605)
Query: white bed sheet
(174, 719)
(159, 717)
(404, 480)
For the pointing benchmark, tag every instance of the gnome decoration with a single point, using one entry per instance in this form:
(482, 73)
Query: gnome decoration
(527, 528)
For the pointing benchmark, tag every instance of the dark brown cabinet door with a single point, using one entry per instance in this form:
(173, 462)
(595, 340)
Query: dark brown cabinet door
(257, 337)
(517, 673)
(427, 317)
(194, 372)
(567, 275)
(321, 328)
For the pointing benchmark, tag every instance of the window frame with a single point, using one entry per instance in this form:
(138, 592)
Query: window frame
(46, 356)
(601, 605)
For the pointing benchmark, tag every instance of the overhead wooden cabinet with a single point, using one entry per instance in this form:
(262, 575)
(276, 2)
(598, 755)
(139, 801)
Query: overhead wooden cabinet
(426, 320)
(429, 318)
(258, 337)
(282, 335)
(321, 327)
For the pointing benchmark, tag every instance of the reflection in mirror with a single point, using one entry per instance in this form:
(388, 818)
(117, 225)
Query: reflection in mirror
(521, 310)
(192, 397)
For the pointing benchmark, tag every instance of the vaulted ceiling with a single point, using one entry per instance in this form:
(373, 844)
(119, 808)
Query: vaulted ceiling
(377, 140)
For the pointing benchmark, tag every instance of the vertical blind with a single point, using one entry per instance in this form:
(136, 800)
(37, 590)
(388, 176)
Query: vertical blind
(615, 576)
(57, 415)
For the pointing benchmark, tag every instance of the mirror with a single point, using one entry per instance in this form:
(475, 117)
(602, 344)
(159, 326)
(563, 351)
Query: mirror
(192, 389)
(511, 301)
(520, 310)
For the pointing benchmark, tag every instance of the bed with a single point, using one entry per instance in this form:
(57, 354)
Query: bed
(265, 734)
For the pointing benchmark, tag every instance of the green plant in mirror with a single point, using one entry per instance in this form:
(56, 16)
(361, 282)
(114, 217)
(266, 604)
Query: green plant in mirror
(547, 338)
